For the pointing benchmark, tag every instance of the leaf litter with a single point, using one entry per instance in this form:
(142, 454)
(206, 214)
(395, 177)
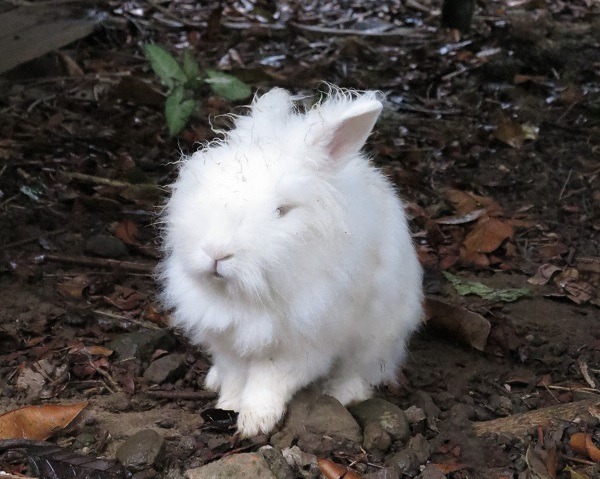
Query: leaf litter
(490, 137)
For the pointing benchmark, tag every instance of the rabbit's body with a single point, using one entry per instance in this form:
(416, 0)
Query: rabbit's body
(289, 258)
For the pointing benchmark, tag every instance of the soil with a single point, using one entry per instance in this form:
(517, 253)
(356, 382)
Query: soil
(507, 115)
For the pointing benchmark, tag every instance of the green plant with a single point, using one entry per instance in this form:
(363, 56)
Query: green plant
(183, 79)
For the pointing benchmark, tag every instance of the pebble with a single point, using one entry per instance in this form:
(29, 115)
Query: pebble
(140, 344)
(389, 417)
(142, 450)
(311, 414)
(249, 465)
(431, 472)
(416, 418)
(277, 463)
(375, 438)
(106, 246)
(404, 463)
(384, 473)
(165, 368)
(420, 448)
(423, 400)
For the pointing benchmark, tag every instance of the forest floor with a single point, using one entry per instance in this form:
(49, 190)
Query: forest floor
(493, 139)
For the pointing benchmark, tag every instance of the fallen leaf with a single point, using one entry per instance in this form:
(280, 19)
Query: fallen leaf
(464, 287)
(449, 467)
(536, 463)
(510, 132)
(465, 326)
(74, 287)
(37, 422)
(465, 203)
(544, 274)
(461, 219)
(487, 235)
(127, 232)
(575, 474)
(331, 470)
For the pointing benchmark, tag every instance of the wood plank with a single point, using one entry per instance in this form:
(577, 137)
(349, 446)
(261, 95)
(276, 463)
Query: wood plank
(31, 31)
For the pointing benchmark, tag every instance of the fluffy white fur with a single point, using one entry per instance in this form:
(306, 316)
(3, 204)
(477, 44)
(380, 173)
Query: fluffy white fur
(289, 258)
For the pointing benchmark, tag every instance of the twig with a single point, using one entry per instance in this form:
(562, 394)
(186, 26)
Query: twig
(106, 376)
(32, 239)
(100, 263)
(564, 186)
(98, 180)
(123, 318)
(186, 395)
(395, 34)
(519, 424)
(169, 14)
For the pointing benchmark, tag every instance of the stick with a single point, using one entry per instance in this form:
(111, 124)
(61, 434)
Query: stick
(101, 263)
(159, 394)
(519, 424)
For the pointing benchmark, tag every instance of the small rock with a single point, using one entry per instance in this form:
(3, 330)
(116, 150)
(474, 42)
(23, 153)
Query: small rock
(250, 465)
(277, 463)
(416, 418)
(118, 402)
(142, 450)
(106, 246)
(384, 473)
(423, 400)
(164, 368)
(375, 438)
(444, 400)
(141, 344)
(145, 474)
(431, 472)
(404, 462)
(420, 448)
(297, 458)
(316, 414)
(388, 416)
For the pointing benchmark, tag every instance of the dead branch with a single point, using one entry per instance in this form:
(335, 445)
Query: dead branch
(186, 395)
(145, 267)
(519, 424)
(390, 35)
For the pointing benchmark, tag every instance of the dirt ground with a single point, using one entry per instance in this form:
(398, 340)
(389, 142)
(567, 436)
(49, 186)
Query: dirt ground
(492, 136)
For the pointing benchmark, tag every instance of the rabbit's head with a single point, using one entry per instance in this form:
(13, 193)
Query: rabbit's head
(244, 210)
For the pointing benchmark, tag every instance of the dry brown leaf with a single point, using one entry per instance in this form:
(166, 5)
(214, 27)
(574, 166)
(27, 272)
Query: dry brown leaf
(461, 219)
(536, 460)
(127, 232)
(487, 235)
(463, 325)
(331, 470)
(544, 274)
(474, 258)
(74, 287)
(37, 422)
(510, 132)
(449, 467)
(465, 203)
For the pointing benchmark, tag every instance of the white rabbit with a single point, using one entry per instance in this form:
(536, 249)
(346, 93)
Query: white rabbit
(288, 257)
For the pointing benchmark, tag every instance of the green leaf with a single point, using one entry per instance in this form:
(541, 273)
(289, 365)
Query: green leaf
(178, 110)
(190, 66)
(164, 65)
(227, 86)
(464, 288)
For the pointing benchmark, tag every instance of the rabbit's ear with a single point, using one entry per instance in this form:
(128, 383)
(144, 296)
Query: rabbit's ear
(348, 134)
(276, 101)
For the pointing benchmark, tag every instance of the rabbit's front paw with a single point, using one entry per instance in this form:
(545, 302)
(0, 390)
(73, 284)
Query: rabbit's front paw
(213, 380)
(259, 419)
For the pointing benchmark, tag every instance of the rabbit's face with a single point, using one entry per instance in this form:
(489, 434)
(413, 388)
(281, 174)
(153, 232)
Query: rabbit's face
(238, 220)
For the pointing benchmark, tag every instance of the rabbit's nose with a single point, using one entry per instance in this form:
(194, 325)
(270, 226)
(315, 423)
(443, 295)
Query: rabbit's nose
(217, 262)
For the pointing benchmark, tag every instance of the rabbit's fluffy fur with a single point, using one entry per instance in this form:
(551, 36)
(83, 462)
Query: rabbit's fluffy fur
(288, 257)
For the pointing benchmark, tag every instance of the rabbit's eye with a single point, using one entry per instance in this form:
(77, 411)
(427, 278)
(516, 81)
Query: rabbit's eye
(283, 210)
